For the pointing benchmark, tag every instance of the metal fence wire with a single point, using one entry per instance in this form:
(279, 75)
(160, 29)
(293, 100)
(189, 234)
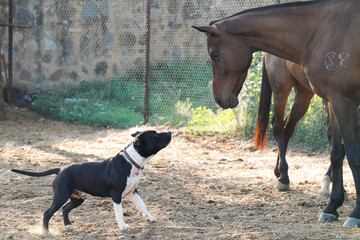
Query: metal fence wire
(87, 58)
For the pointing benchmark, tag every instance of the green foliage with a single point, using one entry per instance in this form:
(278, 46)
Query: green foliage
(86, 111)
(205, 120)
(178, 81)
(118, 91)
(120, 101)
(240, 120)
(117, 103)
(179, 95)
(310, 131)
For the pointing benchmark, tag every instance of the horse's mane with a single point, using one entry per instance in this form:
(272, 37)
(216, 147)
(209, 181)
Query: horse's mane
(278, 6)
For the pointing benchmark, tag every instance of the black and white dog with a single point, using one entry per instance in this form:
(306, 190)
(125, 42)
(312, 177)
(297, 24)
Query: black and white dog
(115, 177)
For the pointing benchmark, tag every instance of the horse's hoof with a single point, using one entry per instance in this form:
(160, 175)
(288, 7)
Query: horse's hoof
(282, 187)
(352, 223)
(327, 217)
(323, 196)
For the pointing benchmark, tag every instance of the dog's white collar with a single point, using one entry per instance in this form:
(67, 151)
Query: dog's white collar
(135, 156)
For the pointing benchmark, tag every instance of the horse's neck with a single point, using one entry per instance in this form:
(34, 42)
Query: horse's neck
(282, 31)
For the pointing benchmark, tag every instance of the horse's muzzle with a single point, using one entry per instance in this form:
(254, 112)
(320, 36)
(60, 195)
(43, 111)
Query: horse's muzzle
(231, 102)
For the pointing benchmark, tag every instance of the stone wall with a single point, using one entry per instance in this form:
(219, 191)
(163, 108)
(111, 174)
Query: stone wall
(76, 40)
(73, 41)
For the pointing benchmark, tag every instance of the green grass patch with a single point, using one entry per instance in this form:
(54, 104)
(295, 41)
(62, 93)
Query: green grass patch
(86, 111)
(205, 120)
(179, 96)
(174, 87)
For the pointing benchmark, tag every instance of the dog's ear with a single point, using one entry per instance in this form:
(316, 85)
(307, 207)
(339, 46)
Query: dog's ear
(135, 134)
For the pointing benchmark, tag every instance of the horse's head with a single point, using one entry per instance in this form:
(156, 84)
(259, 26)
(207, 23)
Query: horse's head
(231, 59)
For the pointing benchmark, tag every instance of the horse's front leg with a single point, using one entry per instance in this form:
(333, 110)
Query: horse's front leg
(338, 151)
(336, 156)
(345, 110)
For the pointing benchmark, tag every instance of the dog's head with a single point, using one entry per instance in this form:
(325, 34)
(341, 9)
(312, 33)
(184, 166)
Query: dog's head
(150, 142)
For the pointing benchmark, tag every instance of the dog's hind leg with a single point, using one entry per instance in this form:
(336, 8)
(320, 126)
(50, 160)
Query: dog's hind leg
(58, 202)
(75, 201)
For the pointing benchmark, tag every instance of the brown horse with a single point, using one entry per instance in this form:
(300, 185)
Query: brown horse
(323, 37)
(279, 77)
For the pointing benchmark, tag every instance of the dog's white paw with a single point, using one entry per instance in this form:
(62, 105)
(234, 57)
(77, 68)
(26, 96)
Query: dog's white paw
(124, 227)
(46, 232)
(150, 218)
(69, 228)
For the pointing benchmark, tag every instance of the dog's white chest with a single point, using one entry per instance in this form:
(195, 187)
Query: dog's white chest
(132, 181)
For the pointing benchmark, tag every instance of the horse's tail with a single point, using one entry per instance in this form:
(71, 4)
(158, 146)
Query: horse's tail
(260, 133)
(38, 174)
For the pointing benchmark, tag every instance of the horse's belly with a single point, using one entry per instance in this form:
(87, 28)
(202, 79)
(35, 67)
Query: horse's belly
(319, 89)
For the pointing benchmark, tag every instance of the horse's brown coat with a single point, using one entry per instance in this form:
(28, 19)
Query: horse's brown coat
(279, 77)
(323, 37)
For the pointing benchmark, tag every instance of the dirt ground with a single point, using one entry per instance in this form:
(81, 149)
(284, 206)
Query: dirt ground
(199, 187)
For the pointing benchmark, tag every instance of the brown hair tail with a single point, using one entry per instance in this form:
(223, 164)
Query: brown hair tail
(260, 133)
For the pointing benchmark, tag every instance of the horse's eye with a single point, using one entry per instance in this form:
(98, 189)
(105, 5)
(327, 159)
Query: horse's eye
(215, 56)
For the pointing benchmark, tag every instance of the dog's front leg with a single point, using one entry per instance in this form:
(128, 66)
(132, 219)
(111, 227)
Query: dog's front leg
(120, 216)
(136, 199)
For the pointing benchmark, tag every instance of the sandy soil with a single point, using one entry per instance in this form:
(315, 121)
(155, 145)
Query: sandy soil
(199, 187)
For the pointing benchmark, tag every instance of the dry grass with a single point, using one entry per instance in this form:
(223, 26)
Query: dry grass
(199, 187)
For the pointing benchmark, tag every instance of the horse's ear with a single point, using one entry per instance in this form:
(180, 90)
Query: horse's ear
(135, 134)
(205, 29)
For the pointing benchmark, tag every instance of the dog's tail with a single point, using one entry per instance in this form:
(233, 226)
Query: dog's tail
(38, 174)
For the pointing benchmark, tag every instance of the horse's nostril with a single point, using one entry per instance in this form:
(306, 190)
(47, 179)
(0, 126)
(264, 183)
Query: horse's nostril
(230, 100)
(217, 101)
(233, 102)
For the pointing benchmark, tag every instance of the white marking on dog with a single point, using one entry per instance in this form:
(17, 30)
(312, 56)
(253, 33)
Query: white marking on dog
(136, 199)
(132, 181)
(120, 217)
(135, 174)
(140, 160)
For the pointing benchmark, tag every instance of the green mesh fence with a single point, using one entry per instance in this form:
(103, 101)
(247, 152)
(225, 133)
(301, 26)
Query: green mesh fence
(87, 58)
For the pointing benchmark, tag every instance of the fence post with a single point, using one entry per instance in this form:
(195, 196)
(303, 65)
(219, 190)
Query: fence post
(10, 56)
(147, 64)
(2, 100)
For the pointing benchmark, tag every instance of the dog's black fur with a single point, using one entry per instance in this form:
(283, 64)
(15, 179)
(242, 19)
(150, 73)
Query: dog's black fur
(103, 179)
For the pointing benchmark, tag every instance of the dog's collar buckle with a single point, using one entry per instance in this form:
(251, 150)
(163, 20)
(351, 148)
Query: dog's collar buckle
(132, 160)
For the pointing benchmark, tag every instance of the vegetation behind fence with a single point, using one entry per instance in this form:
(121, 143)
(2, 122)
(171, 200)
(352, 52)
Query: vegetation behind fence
(88, 58)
